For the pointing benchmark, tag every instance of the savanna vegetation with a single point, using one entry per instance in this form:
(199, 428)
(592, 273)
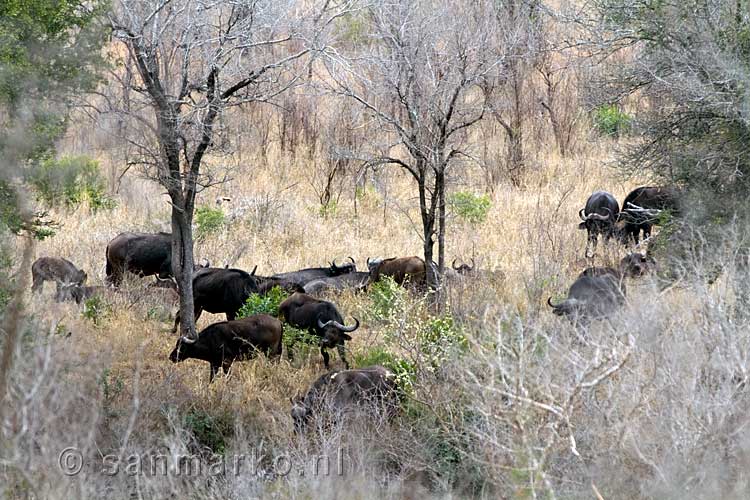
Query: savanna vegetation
(285, 135)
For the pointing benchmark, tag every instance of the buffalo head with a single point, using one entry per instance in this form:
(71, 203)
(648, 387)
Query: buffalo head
(334, 333)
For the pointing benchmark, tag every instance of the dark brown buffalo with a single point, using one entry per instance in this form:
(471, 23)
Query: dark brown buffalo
(304, 276)
(594, 295)
(223, 343)
(142, 254)
(599, 216)
(220, 290)
(642, 210)
(371, 389)
(401, 269)
(320, 318)
(60, 271)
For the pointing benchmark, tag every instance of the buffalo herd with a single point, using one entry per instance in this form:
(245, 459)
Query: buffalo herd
(596, 292)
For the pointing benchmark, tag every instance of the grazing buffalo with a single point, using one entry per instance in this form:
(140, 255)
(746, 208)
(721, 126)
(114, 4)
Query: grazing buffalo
(352, 281)
(593, 295)
(61, 271)
(143, 254)
(320, 318)
(371, 389)
(599, 216)
(79, 293)
(401, 269)
(223, 343)
(634, 265)
(304, 276)
(642, 208)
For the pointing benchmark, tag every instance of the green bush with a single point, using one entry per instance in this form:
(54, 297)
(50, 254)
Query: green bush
(95, 309)
(264, 304)
(388, 299)
(440, 338)
(210, 431)
(403, 369)
(469, 206)
(609, 120)
(71, 180)
(208, 221)
(328, 210)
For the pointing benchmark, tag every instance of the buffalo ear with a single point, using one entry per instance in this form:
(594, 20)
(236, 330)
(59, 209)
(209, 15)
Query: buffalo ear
(345, 336)
(582, 225)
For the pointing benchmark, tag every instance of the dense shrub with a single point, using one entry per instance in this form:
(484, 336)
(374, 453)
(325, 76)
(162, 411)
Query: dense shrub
(469, 206)
(609, 120)
(387, 300)
(71, 180)
(210, 430)
(208, 221)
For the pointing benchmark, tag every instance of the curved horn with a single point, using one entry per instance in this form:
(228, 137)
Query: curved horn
(348, 329)
(323, 325)
(549, 301)
(596, 216)
(453, 265)
(352, 259)
(368, 261)
(582, 214)
(205, 262)
(473, 264)
(187, 340)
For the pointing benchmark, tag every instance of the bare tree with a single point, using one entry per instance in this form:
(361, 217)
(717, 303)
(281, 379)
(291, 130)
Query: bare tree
(419, 75)
(193, 60)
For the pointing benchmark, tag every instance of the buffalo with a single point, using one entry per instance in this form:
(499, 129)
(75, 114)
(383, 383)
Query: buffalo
(351, 281)
(401, 269)
(79, 293)
(641, 210)
(223, 343)
(373, 388)
(634, 265)
(596, 293)
(321, 319)
(599, 216)
(143, 254)
(61, 271)
(304, 276)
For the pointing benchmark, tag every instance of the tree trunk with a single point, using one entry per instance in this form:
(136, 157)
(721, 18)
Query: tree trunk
(182, 267)
(428, 230)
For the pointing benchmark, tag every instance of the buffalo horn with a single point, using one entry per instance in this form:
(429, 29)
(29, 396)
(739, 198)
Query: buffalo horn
(352, 259)
(596, 216)
(453, 265)
(187, 340)
(347, 329)
(582, 214)
(549, 301)
(323, 325)
(254, 269)
(473, 264)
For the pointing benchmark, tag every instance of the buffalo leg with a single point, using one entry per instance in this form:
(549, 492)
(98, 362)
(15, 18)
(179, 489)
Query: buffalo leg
(176, 322)
(226, 365)
(342, 354)
(214, 368)
(324, 353)
(37, 283)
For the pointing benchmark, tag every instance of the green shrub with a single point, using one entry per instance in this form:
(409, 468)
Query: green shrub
(210, 431)
(71, 180)
(440, 339)
(328, 210)
(95, 309)
(403, 369)
(469, 206)
(609, 120)
(264, 304)
(388, 299)
(208, 221)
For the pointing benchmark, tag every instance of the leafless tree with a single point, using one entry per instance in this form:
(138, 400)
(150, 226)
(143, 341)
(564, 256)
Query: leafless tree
(419, 75)
(193, 59)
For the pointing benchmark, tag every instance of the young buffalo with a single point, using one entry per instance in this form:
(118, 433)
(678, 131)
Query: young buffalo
(56, 269)
(223, 343)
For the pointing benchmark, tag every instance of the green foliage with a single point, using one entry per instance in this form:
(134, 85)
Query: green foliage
(403, 369)
(351, 27)
(112, 386)
(328, 210)
(95, 309)
(6, 280)
(610, 121)
(440, 339)
(10, 217)
(210, 431)
(70, 180)
(263, 304)
(208, 221)
(294, 338)
(469, 206)
(388, 300)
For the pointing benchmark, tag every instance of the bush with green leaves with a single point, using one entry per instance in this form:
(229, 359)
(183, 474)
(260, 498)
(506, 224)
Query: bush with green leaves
(96, 309)
(208, 221)
(402, 368)
(440, 339)
(388, 300)
(263, 304)
(71, 180)
(470, 207)
(610, 121)
(210, 431)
